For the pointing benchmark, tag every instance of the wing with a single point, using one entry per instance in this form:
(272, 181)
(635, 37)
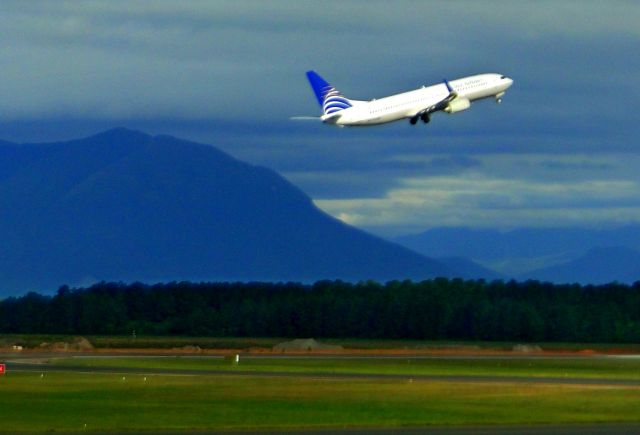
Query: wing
(440, 105)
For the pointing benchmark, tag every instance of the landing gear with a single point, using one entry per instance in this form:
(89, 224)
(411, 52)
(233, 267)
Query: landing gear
(498, 100)
(425, 118)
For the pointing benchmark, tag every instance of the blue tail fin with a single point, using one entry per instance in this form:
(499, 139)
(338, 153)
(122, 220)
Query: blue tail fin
(328, 97)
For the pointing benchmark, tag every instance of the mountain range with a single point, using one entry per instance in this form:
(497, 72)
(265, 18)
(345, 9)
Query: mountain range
(123, 205)
(126, 206)
(597, 266)
(582, 255)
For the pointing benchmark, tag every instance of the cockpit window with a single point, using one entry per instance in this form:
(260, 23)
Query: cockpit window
(502, 77)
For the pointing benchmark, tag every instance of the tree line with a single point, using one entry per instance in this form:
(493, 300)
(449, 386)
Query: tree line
(437, 309)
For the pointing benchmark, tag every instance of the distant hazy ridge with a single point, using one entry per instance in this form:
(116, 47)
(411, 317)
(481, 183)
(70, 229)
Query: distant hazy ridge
(561, 255)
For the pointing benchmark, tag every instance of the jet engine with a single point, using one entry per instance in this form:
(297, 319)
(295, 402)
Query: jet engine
(457, 105)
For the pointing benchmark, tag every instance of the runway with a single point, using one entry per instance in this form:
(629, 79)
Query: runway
(16, 365)
(27, 364)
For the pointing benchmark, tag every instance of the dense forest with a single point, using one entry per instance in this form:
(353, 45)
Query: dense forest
(431, 310)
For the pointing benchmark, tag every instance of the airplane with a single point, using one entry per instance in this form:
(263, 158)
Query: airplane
(449, 96)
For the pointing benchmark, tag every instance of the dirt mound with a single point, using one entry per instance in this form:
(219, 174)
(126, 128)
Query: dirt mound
(527, 348)
(77, 344)
(188, 348)
(304, 344)
(81, 343)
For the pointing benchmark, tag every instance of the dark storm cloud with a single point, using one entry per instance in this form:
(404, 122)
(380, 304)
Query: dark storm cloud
(251, 56)
(231, 73)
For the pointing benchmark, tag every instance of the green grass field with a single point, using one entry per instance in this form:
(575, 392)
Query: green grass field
(69, 401)
(66, 401)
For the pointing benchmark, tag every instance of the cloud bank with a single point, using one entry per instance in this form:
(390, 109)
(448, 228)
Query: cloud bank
(559, 151)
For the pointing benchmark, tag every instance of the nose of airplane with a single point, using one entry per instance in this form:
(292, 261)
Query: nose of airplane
(508, 81)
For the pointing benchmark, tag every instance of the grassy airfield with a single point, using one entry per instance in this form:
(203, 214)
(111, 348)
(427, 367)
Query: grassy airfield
(565, 367)
(67, 401)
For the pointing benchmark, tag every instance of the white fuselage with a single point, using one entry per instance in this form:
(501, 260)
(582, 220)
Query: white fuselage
(407, 104)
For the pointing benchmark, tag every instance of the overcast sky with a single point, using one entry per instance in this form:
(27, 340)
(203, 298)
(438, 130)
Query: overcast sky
(562, 149)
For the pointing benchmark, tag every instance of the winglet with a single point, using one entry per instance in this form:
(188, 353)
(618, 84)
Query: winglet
(446, 82)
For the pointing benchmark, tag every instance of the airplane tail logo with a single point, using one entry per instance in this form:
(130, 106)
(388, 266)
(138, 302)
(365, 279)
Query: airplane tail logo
(328, 97)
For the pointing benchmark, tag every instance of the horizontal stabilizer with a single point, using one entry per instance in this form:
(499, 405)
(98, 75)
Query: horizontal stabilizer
(331, 118)
(305, 118)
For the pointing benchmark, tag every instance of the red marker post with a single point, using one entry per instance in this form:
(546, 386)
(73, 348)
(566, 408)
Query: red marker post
(3, 369)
